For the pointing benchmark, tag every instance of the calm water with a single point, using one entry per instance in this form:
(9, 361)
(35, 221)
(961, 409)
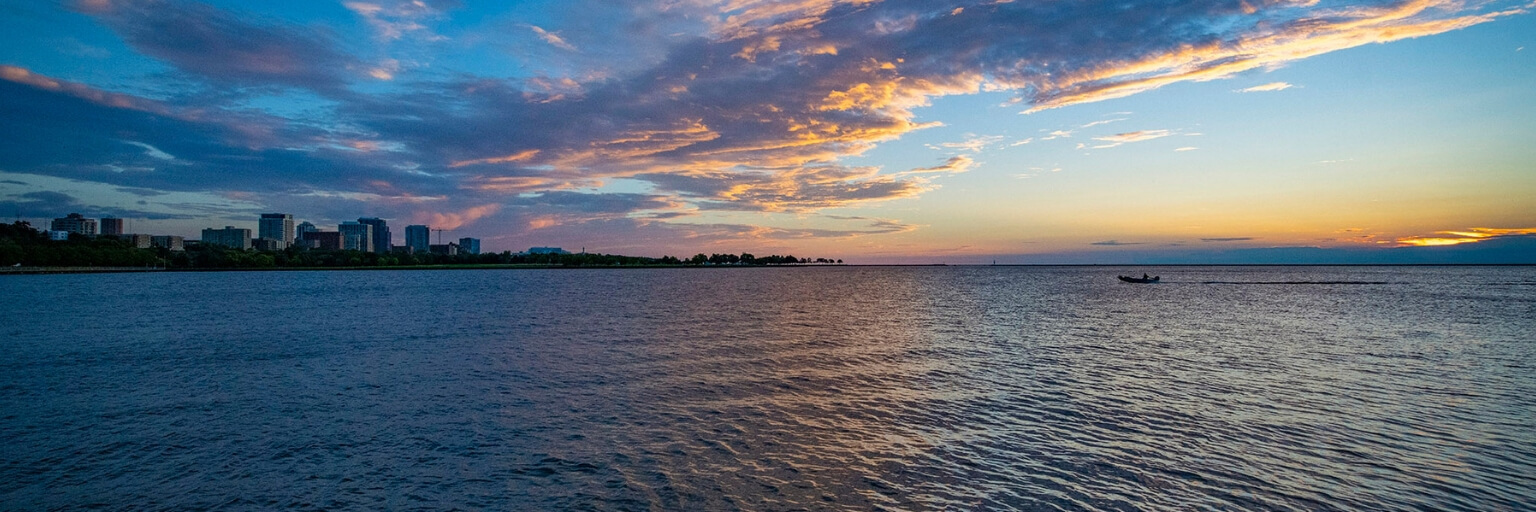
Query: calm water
(983, 388)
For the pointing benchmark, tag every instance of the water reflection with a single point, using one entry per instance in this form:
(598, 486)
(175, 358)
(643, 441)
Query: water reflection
(826, 388)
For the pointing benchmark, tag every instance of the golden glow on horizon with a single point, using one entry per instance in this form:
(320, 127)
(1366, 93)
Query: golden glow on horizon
(1462, 237)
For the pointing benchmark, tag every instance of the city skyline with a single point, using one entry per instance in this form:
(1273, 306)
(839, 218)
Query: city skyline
(878, 131)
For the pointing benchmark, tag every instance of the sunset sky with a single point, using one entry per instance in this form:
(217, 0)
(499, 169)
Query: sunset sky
(869, 130)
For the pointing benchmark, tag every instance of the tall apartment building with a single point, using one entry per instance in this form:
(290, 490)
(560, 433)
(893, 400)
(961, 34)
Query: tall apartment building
(469, 245)
(418, 238)
(276, 226)
(112, 226)
(75, 223)
(356, 236)
(380, 240)
(230, 236)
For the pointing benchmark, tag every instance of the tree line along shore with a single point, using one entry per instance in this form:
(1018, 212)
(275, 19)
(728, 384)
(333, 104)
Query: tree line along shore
(23, 246)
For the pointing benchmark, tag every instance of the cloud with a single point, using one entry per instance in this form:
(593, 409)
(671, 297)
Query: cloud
(57, 204)
(1473, 235)
(1186, 148)
(152, 151)
(1128, 137)
(395, 19)
(1255, 40)
(746, 105)
(551, 38)
(795, 190)
(1228, 239)
(1102, 122)
(454, 220)
(1116, 243)
(1136, 136)
(955, 165)
(974, 144)
(226, 47)
(1272, 86)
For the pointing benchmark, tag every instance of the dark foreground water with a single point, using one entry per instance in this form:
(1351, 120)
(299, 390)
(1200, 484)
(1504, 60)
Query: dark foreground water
(983, 388)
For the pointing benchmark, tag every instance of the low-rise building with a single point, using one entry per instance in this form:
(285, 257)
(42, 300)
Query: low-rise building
(54, 234)
(169, 242)
(324, 240)
(230, 236)
(448, 249)
(137, 241)
(268, 244)
(547, 250)
(469, 245)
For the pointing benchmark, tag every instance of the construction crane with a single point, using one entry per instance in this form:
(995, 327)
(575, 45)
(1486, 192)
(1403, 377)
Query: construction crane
(440, 235)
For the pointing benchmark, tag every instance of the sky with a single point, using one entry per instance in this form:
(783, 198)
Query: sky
(876, 131)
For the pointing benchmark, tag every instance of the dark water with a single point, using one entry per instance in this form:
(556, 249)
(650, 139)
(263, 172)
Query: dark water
(984, 388)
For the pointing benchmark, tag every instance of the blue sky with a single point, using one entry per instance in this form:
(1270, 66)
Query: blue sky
(871, 130)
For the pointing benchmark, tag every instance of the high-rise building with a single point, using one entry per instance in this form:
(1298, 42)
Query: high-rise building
(356, 236)
(469, 245)
(75, 223)
(112, 226)
(303, 227)
(323, 240)
(380, 240)
(276, 226)
(418, 238)
(230, 236)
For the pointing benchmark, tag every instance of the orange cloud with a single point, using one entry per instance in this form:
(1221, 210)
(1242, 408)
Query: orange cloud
(1270, 47)
(1473, 235)
(455, 220)
(27, 77)
(520, 156)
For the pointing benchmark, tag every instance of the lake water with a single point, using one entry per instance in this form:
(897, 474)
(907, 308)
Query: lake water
(837, 388)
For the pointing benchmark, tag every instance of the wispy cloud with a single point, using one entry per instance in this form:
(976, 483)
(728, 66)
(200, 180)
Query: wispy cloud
(1116, 243)
(1102, 122)
(1228, 239)
(552, 38)
(1272, 86)
(954, 165)
(973, 144)
(1186, 148)
(1129, 137)
(395, 19)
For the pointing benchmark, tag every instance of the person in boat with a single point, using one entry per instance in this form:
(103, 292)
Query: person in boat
(1144, 276)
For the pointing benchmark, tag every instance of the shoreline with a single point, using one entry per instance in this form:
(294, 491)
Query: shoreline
(538, 266)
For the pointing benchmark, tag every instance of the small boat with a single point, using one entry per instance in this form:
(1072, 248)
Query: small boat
(1129, 279)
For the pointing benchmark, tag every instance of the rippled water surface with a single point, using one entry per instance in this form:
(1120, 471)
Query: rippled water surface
(849, 388)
